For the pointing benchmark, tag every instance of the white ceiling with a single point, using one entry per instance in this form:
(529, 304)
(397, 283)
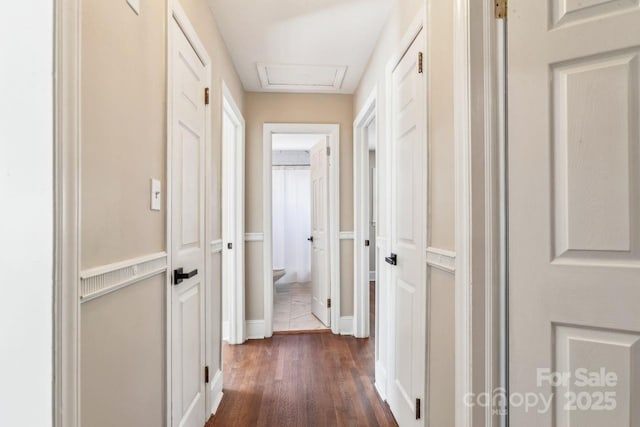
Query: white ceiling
(277, 33)
(295, 141)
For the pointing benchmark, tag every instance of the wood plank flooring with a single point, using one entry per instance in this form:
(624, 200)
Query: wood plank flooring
(301, 380)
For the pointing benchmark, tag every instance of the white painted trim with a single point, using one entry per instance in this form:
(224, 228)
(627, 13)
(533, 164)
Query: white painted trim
(346, 325)
(347, 235)
(175, 12)
(381, 380)
(254, 237)
(105, 279)
(333, 131)
(215, 390)
(225, 330)
(463, 230)
(233, 264)
(66, 251)
(441, 259)
(362, 213)
(255, 328)
(216, 246)
(372, 276)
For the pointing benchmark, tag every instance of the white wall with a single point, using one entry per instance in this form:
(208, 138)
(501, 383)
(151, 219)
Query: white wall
(26, 216)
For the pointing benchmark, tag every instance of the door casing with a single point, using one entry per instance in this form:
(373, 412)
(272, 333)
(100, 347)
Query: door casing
(362, 218)
(233, 178)
(333, 132)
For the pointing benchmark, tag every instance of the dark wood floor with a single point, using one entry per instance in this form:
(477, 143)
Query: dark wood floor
(302, 380)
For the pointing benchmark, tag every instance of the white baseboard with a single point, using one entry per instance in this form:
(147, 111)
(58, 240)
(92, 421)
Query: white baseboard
(216, 391)
(381, 381)
(372, 276)
(255, 329)
(225, 330)
(346, 325)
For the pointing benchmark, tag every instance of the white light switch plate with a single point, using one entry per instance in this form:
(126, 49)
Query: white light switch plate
(135, 5)
(156, 194)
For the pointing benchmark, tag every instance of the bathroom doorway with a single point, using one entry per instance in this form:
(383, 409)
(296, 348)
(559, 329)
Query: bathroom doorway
(299, 190)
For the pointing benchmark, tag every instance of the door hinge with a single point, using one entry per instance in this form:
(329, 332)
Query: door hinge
(206, 375)
(419, 62)
(367, 242)
(328, 151)
(206, 96)
(328, 302)
(418, 409)
(501, 8)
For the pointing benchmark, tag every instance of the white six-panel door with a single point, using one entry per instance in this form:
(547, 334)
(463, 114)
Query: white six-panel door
(574, 203)
(320, 232)
(187, 233)
(408, 192)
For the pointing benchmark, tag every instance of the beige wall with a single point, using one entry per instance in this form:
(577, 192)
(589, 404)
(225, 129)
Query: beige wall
(123, 348)
(123, 130)
(263, 108)
(441, 220)
(124, 146)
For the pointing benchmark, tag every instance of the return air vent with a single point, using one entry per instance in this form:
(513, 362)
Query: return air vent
(301, 78)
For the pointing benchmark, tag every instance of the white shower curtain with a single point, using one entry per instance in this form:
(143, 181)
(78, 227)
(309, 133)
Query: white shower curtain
(292, 223)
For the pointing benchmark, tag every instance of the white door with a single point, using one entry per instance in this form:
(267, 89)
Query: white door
(574, 203)
(320, 232)
(233, 226)
(187, 234)
(408, 237)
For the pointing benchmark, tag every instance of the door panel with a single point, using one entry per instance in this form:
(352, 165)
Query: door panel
(574, 208)
(408, 235)
(319, 231)
(187, 233)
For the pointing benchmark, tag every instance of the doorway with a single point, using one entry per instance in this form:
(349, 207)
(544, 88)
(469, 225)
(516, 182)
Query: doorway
(233, 289)
(298, 256)
(365, 217)
(301, 227)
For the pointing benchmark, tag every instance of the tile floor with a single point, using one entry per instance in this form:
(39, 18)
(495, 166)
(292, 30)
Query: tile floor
(292, 308)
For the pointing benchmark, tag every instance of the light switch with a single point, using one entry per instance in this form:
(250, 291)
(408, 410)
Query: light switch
(156, 194)
(135, 5)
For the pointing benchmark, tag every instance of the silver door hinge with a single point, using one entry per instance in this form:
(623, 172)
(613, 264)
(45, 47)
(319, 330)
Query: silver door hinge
(328, 151)
(419, 62)
(206, 96)
(329, 303)
(501, 8)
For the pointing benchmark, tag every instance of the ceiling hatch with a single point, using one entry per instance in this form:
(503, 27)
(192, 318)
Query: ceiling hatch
(302, 78)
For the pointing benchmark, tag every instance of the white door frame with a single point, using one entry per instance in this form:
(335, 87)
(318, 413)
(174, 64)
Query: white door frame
(235, 180)
(333, 131)
(66, 251)
(479, 131)
(362, 216)
(175, 12)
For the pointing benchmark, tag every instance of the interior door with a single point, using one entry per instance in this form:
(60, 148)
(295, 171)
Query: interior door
(574, 221)
(187, 234)
(319, 232)
(408, 237)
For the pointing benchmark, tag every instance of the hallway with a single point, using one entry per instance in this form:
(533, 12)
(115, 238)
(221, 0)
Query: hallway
(317, 379)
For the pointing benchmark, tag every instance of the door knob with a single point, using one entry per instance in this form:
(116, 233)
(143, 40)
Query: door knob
(179, 275)
(310, 239)
(392, 259)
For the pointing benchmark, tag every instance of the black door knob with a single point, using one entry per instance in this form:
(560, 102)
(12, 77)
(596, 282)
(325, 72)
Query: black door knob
(392, 259)
(179, 275)
(310, 239)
